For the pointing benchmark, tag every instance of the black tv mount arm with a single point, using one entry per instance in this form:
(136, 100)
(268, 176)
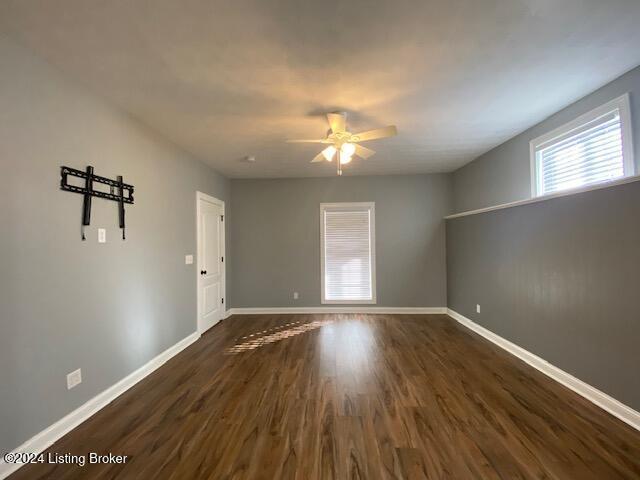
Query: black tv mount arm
(119, 192)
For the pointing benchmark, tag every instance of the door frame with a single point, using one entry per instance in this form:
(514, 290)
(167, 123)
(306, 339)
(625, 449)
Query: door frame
(203, 196)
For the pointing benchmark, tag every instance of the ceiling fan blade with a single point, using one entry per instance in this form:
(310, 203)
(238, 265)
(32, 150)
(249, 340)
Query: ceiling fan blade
(330, 151)
(318, 158)
(384, 132)
(337, 121)
(364, 152)
(324, 140)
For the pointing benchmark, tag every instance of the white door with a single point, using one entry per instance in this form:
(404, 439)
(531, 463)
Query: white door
(211, 277)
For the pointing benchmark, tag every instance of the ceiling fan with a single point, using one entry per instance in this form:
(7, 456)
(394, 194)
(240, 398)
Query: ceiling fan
(343, 145)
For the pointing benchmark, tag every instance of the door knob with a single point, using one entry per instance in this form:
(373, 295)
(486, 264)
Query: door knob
(203, 272)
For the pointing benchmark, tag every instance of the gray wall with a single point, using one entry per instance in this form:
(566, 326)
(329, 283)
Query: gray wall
(67, 304)
(503, 175)
(276, 238)
(559, 278)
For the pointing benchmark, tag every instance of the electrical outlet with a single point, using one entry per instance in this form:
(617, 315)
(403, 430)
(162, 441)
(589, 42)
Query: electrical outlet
(295, 295)
(478, 308)
(74, 378)
(102, 235)
(188, 259)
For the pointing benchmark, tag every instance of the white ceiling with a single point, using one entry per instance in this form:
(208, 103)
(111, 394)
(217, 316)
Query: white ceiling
(227, 79)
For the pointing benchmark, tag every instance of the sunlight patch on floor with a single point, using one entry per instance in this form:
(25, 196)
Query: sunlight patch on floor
(254, 340)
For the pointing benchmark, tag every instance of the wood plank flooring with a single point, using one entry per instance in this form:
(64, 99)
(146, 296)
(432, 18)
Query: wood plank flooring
(349, 396)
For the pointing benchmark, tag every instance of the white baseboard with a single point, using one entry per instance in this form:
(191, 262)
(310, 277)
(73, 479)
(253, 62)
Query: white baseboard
(50, 435)
(333, 309)
(601, 399)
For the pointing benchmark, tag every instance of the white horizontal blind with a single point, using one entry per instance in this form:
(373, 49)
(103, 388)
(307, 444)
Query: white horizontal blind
(348, 253)
(590, 154)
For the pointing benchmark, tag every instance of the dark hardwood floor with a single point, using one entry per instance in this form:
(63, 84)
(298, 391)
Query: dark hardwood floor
(349, 396)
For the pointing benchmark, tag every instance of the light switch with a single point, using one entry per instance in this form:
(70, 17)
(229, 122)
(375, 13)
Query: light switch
(102, 235)
(188, 259)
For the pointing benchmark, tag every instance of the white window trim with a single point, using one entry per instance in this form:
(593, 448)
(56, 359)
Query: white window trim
(372, 225)
(622, 104)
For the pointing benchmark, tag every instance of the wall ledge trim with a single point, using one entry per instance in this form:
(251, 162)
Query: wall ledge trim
(599, 398)
(332, 309)
(47, 437)
(527, 201)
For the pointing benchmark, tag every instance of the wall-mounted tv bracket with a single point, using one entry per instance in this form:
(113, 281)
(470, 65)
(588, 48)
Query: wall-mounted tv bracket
(119, 192)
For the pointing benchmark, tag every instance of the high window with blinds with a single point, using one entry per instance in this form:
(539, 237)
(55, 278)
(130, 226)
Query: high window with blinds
(592, 149)
(347, 238)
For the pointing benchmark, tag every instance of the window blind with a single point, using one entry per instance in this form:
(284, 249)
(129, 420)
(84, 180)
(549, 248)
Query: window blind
(590, 154)
(348, 257)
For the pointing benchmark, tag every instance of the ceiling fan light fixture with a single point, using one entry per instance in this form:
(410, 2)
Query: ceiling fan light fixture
(344, 159)
(329, 153)
(348, 149)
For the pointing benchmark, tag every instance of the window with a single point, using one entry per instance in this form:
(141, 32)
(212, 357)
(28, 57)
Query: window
(594, 148)
(347, 245)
